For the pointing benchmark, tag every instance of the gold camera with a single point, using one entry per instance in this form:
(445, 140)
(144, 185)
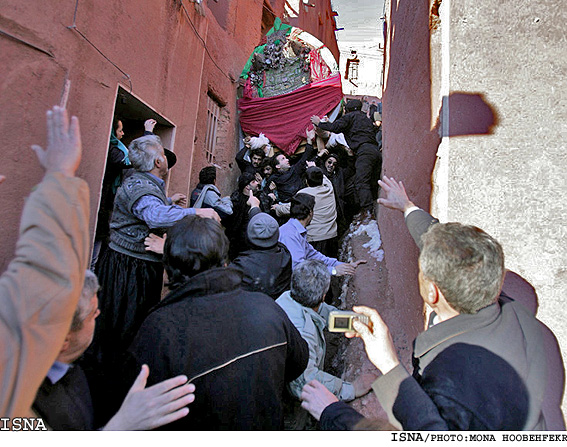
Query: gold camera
(341, 320)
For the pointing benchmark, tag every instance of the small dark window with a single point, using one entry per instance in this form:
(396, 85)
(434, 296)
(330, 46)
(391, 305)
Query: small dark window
(213, 116)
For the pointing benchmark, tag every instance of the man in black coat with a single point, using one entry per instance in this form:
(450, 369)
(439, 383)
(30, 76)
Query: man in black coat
(237, 223)
(238, 348)
(266, 266)
(360, 134)
(256, 157)
(64, 399)
(344, 188)
(287, 178)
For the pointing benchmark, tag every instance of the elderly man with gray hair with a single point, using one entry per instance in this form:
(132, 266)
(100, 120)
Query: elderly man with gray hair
(305, 307)
(480, 365)
(130, 276)
(64, 399)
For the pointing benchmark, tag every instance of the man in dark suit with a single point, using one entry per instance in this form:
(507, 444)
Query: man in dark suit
(481, 364)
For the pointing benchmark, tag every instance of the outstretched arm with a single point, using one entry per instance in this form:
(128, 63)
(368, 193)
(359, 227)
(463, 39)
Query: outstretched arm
(240, 161)
(151, 210)
(418, 221)
(41, 286)
(338, 126)
(396, 197)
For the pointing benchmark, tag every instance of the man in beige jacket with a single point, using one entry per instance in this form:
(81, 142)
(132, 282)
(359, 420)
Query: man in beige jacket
(41, 286)
(322, 230)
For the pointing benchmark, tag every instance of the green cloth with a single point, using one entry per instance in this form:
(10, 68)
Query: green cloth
(278, 26)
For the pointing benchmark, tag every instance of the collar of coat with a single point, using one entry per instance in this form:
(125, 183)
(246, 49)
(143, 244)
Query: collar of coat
(461, 324)
(209, 282)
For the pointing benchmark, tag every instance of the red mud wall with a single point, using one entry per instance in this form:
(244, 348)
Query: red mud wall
(163, 52)
(409, 151)
(410, 146)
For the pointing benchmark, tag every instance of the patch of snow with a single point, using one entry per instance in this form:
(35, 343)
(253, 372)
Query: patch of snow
(375, 242)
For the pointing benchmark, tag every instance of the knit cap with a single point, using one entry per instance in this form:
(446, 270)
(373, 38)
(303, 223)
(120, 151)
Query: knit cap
(263, 230)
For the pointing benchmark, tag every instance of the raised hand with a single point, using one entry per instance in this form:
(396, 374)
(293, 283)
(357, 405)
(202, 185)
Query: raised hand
(149, 125)
(315, 120)
(396, 197)
(253, 201)
(63, 152)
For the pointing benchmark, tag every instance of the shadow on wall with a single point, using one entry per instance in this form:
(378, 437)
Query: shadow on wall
(520, 290)
(470, 114)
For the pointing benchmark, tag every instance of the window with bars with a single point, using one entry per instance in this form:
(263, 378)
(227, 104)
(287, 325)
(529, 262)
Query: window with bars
(213, 116)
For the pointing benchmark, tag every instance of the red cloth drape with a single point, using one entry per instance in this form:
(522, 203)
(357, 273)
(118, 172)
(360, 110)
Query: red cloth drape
(284, 119)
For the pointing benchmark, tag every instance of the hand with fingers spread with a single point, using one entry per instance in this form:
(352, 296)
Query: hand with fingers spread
(315, 397)
(377, 339)
(148, 408)
(310, 164)
(63, 152)
(315, 120)
(155, 243)
(396, 197)
(208, 213)
(348, 268)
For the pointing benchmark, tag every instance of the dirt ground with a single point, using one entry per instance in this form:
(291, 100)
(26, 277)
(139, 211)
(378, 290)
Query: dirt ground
(346, 358)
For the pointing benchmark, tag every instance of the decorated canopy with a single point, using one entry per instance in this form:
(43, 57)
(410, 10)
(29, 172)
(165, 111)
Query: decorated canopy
(287, 79)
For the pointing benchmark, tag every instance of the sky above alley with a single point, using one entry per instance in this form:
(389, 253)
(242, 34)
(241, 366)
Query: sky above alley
(360, 20)
(363, 32)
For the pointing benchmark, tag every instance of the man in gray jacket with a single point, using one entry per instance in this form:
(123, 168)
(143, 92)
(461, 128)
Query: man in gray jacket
(304, 306)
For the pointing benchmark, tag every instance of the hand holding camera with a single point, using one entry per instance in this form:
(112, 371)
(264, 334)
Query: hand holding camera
(367, 324)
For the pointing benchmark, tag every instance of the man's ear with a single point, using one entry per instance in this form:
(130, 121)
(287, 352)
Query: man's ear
(432, 297)
(66, 344)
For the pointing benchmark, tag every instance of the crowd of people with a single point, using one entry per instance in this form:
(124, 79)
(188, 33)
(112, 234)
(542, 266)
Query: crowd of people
(238, 340)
